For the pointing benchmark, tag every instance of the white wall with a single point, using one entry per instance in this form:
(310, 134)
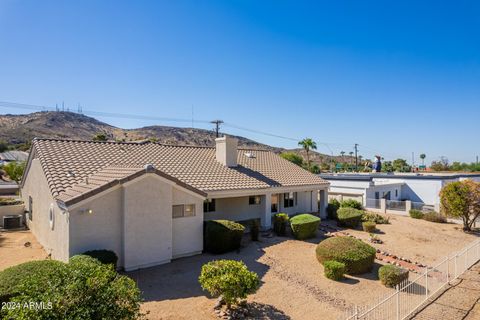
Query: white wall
(418, 190)
(187, 231)
(55, 241)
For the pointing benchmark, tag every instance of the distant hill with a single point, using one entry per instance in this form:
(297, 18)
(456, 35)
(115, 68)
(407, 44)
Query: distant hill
(19, 130)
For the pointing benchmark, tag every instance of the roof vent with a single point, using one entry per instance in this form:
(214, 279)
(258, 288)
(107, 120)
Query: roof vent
(149, 167)
(249, 155)
(70, 174)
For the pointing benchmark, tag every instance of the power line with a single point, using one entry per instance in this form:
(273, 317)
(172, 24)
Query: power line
(217, 124)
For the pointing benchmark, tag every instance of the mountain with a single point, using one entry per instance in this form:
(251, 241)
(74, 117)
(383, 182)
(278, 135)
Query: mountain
(18, 130)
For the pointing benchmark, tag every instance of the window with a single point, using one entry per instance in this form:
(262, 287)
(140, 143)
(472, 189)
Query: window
(396, 193)
(254, 200)
(289, 199)
(183, 210)
(30, 208)
(209, 205)
(377, 195)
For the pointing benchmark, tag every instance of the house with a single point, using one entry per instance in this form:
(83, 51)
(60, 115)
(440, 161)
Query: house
(148, 202)
(419, 188)
(11, 156)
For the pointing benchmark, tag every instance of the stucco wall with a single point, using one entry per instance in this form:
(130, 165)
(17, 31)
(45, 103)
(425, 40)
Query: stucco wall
(103, 228)
(148, 222)
(187, 231)
(54, 241)
(421, 190)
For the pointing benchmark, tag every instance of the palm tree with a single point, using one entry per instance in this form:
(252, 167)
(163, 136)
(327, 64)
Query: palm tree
(308, 144)
(423, 156)
(351, 156)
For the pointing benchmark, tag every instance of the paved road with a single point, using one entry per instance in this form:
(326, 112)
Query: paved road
(461, 301)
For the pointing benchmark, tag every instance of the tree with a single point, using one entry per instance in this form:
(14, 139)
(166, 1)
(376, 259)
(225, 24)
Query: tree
(308, 144)
(315, 169)
(15, 170)
(100, 137)
(229, 279)
(440, 165)
(423, 156)
(461, 199)
(3, 146)
(292, 157)
(351, 156)
(387, 166)
(401, 165)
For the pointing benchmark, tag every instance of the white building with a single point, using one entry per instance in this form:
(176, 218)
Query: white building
(422, 188)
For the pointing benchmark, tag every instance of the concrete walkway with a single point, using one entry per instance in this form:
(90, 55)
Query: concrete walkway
(460, 301)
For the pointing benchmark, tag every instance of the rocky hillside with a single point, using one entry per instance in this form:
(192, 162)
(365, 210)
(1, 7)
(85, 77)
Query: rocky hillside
(18, 130)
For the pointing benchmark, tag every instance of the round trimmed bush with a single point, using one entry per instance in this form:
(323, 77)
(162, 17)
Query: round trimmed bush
(222, 235)
(304, 226)
(332, 208)
(391, 275)
(334, 270)
(280, 221)
(104, 256)
(357, 256)
(369, 226)
(416, 214)
(229, 279)
(349, 217)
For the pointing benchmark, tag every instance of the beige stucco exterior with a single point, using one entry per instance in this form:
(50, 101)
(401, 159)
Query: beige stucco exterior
(52, 236)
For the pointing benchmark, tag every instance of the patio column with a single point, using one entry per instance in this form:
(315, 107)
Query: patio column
(266, 216)
(408, 206)
(383, 205)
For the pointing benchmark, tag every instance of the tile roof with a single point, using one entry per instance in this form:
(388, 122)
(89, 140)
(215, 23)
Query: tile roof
(67, 164)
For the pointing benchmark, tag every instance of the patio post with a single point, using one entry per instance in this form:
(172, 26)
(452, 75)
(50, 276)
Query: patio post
(266, 216)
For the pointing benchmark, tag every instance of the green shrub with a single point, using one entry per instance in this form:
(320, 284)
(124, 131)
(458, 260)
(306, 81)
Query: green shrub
(254, 229)
(11, 278)
(9, 201)
(351, 203)
(82, 289)
(222, 236)
(357, 256)
(332, 208)
(375, 217)
(229, 279)
(334, 270)
(369, 226)
(433, 216)
(391, 275)
(280, 221)
(304, 226)
(349, 217)
(104, 256)
(416, 214)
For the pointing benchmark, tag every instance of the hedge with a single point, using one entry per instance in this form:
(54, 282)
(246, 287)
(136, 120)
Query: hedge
(415, 214)
(349, 217)
(375, 217)
(351, 203)
(304, 226)
(84, 288)
(391, 275)
(332, 208)
(11, 278)
(433, 216)
(280, 221)
(357, 256)
(369, 226)
(334, 270)
(222, 236)
(104, 256)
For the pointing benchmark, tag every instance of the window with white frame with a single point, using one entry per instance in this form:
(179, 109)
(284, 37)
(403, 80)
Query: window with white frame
(183, 210)
(289, 199)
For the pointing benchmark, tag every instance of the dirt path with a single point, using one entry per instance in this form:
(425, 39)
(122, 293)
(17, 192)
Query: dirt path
(18, 247)
(460, 301)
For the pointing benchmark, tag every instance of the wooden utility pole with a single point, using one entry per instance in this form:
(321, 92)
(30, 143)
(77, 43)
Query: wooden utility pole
(217, 124)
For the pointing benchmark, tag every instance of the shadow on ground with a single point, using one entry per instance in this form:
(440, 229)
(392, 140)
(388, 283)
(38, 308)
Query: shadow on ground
(265, 311)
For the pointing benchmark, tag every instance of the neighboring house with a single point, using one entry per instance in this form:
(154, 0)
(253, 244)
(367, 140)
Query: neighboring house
(11, 156)
(417, 187)
(148, 201)
(8, 188)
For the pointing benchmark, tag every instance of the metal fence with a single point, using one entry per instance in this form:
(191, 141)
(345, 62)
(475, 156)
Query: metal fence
(413, 293)
(396, 205)
(373, 203)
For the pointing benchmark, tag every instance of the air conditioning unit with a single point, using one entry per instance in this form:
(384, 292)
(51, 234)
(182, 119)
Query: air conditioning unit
(12, 221)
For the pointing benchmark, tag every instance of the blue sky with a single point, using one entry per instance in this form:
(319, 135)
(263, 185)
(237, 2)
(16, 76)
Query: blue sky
(396, 78)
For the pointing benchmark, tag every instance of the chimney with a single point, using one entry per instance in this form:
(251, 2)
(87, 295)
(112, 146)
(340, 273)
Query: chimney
(226, 151)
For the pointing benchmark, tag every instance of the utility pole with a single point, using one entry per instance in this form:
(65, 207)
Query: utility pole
(356, 157)
(413, 161)
(217, 124)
